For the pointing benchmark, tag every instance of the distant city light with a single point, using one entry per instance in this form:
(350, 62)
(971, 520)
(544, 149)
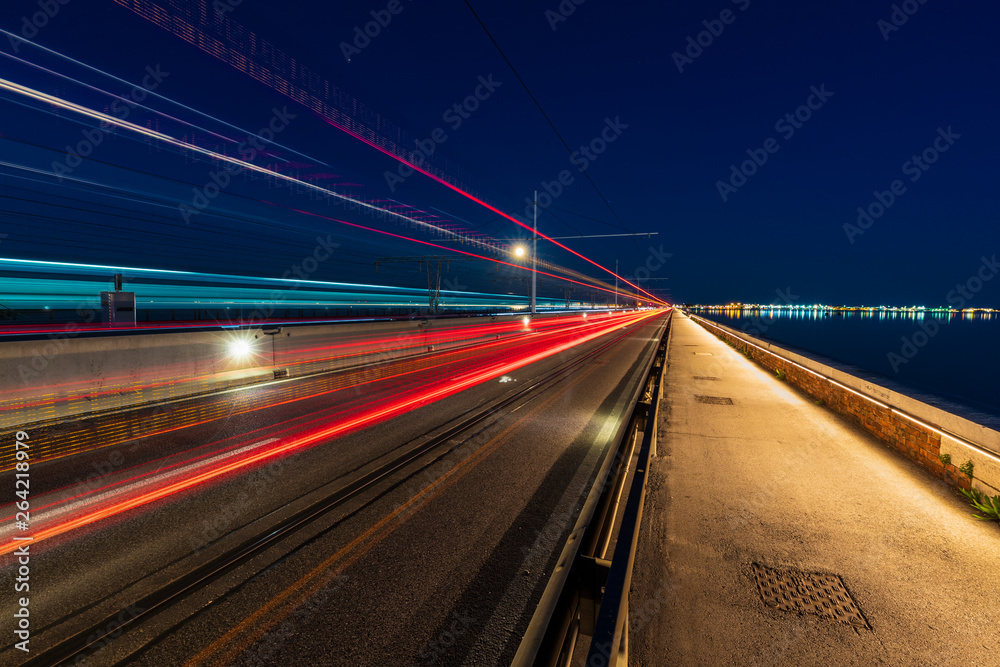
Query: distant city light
(814, 309)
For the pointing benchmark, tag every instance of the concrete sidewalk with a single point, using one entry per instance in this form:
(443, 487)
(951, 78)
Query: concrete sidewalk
(775, 493)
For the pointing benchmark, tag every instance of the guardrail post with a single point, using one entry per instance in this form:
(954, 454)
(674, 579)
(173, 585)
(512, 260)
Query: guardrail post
(646, 420)
(594, 574)
(659, 373)
(591, 596)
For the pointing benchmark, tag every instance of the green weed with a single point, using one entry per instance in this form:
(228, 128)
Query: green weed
(989, 506)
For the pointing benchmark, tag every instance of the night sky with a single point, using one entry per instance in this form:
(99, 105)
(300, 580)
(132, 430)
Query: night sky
(683, 113)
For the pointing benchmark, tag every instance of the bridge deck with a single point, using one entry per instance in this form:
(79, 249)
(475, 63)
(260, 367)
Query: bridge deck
(775, 493)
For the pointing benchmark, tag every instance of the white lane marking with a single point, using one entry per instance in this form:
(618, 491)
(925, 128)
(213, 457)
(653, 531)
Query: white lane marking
(122, 491)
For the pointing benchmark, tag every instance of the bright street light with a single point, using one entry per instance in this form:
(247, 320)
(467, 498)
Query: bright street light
(519, 251)
(240, 348)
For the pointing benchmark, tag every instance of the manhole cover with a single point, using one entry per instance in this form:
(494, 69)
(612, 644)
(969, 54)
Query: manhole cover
(704, 377)
(713, 400)
(808, 593)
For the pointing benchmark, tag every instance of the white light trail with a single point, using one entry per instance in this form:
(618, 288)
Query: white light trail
(39, 96)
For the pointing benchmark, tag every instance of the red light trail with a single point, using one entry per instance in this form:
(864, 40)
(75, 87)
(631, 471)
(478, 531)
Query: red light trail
(243, 164)
(402, 402)
(470, 254)
(493, 209)
(281, 74)
(164, 378)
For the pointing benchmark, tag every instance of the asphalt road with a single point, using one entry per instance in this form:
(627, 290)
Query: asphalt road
(439, 564)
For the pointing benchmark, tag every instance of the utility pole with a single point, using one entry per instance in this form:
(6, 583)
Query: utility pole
(433, 279)
(616, 284)
(534, 258)
(567, 292)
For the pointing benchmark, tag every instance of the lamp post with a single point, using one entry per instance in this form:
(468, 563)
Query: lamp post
(534, 257)
(519, 253)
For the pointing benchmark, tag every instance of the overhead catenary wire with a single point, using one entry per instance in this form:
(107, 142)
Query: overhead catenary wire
(414, 218)
(595, 283)
(548, 120)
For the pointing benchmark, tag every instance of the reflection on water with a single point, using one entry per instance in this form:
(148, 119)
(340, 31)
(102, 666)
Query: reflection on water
(820, 312)
(947, 352)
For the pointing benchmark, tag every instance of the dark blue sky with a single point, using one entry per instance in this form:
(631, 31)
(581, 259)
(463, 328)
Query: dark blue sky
(679, 133)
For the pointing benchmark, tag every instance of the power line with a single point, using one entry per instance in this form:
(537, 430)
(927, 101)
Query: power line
(585, 217)
(592, 236)
(548, 120)
(578, 232)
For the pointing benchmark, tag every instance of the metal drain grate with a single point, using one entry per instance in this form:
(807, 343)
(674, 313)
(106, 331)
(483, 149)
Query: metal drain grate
(704, 377)
(713, 400)
(808, 593)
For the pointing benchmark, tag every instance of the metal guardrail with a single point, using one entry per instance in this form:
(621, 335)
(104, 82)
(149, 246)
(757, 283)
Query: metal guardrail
(588, 594)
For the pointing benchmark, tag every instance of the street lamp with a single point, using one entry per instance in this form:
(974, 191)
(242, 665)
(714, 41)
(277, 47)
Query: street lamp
(240, 349)
(534, 257)
(521, 251)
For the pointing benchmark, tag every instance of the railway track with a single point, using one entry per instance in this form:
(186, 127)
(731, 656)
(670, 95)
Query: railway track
(419, 457)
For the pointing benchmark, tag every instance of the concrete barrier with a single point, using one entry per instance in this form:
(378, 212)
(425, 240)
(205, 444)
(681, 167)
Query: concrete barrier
(922, 432)
(69, 375)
